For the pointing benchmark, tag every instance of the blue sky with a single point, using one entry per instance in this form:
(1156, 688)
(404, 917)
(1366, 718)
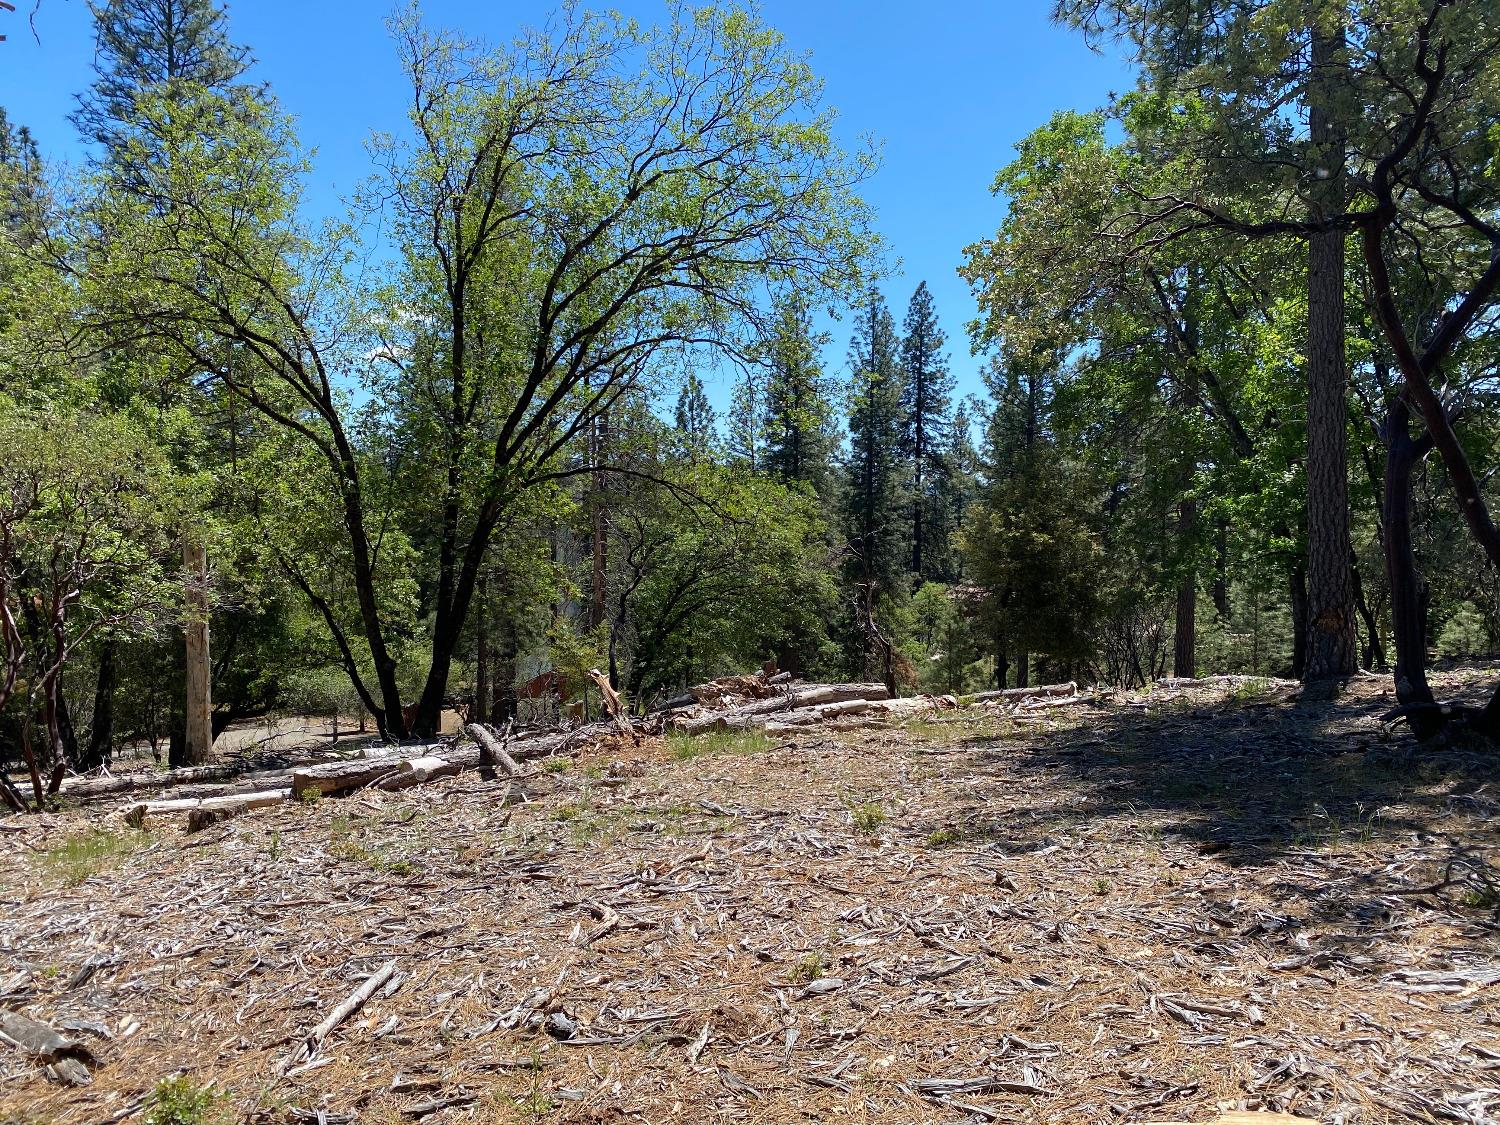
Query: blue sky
(948, 87)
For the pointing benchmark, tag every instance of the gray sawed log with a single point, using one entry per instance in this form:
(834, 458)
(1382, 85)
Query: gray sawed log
(1018, 693)
(749, 715)
(64, 1057)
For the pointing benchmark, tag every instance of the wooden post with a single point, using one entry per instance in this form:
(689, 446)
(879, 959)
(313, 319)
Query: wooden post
(198, 706)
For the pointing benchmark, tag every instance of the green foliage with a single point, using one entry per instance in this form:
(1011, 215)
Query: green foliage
(868, 817)
(181, 1101)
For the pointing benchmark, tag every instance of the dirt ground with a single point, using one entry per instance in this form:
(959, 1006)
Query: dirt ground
(1158, 907)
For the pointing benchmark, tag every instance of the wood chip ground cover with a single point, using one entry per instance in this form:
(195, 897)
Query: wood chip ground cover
(1145, 908)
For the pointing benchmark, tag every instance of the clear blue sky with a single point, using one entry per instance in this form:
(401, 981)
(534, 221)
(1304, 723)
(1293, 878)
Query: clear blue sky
(949, 86)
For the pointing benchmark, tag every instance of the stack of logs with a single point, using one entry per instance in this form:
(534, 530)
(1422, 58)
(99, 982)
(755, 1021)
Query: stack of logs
(766, 701)
(791, 706)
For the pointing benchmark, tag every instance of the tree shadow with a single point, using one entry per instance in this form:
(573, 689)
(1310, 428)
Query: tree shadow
(1258, 781)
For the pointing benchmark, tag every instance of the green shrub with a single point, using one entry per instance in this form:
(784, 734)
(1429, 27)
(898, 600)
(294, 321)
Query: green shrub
(181, 1101)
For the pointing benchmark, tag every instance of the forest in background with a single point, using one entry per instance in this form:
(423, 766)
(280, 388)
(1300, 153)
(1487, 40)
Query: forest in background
(1240, 412)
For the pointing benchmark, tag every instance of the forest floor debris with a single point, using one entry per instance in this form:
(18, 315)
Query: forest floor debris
(1158, 906)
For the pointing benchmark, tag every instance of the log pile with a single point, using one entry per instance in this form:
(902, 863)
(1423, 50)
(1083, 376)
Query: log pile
(768, 701)
(392, 770)
(774, 703)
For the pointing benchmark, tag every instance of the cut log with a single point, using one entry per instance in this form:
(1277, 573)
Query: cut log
(812, 695)
(1012, 695)
(212, 810)
(340, 777)
(418, 771)
(1065, 701)
(751, 715)
(65, 1058)
(87, 787)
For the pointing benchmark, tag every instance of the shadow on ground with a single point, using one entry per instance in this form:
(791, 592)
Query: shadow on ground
(1257, 781)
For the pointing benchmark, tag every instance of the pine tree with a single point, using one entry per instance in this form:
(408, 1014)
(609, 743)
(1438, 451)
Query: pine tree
(144, 44)
(798, 413)
(925, 397)
(746, 423)
(876, 504)
(696, 435)
(21, 190)
(179, 49)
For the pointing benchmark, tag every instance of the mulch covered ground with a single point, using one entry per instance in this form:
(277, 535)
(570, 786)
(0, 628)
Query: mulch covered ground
(1154, 907)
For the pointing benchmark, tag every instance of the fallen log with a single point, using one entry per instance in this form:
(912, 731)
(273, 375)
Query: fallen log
(418, 771)
(492, 751)
(338, 777)
(796, 699)
(87, 787)
(1065, 701)
(1011, 695)
(64, 1058)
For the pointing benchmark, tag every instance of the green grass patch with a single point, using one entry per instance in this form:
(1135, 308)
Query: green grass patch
(684, 747)
(89, 853)
(944, 838)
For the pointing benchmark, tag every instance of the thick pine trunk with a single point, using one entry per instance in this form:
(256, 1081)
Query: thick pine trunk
(1023, 669)
(1331, 644)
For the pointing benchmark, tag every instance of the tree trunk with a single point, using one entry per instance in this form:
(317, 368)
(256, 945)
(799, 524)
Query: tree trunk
(1184, 648)
(1331, 646)
(480, 712)
(1409, 592)
(198, 704)
(102, 727)
(1023, 669)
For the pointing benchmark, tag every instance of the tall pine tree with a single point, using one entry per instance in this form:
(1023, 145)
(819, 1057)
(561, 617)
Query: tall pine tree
(799, 413)
(695, 419)
(177, 49)
(925, 406)
(876, 502)
(148, 46)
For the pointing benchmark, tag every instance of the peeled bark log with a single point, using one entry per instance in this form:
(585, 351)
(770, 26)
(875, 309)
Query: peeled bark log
(809, 696)
(1069, 688)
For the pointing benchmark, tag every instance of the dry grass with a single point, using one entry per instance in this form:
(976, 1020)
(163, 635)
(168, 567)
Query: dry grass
(1144, 915)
